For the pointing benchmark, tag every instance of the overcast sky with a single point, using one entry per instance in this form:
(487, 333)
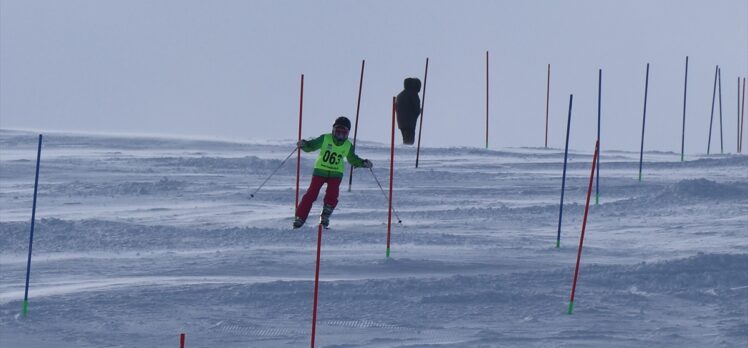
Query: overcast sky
(231, 69)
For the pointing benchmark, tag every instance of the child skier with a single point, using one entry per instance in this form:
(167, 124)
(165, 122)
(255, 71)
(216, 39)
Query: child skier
(328, 169)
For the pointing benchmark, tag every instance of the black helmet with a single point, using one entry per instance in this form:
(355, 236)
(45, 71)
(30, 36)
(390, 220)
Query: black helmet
(342, 121)
(341, 127)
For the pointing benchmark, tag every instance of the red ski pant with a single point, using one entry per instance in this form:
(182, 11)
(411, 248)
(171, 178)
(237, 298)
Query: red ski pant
(331, 194)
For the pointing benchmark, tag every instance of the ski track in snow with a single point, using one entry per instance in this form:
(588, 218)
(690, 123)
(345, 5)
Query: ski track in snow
(140, 239)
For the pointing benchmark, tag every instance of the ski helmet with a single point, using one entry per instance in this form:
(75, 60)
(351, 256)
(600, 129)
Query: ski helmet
(342, 121)
(341, 127)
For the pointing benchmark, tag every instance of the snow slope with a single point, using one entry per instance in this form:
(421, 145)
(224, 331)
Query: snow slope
(139, 239)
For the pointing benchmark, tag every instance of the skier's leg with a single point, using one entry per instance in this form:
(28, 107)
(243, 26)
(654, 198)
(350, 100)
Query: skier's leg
(404, 132)
(409, 135)
(331, 199)
(302, 211)
(332, 191)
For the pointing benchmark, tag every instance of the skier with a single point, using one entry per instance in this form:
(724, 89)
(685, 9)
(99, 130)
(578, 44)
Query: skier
(408, 109)
(328, 169)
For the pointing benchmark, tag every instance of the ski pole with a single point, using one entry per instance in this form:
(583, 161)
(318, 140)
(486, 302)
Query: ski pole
(271, 175)
(385, 195)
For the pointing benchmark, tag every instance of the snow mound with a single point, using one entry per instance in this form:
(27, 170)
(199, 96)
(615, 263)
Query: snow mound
(248, 164)
(693, 277)
(127, 188)
(691, 189)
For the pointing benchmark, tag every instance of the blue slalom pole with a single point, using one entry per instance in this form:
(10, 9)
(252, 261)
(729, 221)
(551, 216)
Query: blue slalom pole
(683, 135)
(711, 118)
(563, 178)
(721, 138)
(31, 237)
(644, 122)
(599, 94)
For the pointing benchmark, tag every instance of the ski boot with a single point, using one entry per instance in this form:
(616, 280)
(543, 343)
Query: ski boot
(324, 218)
(298, 222)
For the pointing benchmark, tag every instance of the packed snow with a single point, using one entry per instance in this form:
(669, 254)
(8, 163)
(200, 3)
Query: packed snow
(139, 239)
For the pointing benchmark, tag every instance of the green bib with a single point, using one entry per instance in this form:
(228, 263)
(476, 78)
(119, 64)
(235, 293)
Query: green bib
(331, 156)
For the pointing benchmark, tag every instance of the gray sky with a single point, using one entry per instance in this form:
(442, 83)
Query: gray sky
(231, 69)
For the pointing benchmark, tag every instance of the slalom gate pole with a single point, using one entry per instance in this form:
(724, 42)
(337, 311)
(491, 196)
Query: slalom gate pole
(738, 129)
(599, 98)
(721, 138)
(486, 99)
(584, 226)
(742, 118)
(563, 178)
(644, 122)
(385, 195)
(181, 340)
(547, 102)
(316, 283)
(355, 129)
(392, 171)
(711, 118)
(423, 105)
(25, 309)
(252, 195)
(298, 149)
(683, 134)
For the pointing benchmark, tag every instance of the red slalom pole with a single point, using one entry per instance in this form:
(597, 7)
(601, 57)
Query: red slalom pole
(423, 104)
(316, 283)
(181, 340)
(392, 171)
(355, 129)
(486, 99)
(298, 151)
(547, 103)
(584, 226)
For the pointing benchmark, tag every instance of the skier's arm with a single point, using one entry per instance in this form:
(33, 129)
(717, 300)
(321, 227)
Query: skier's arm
(314, 144)
(353, 159)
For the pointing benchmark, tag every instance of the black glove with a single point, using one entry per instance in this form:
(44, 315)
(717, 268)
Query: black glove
(367, 164)
(301, 143)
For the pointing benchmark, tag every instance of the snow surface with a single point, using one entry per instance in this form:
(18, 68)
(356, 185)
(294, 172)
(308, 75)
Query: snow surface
(140, 239)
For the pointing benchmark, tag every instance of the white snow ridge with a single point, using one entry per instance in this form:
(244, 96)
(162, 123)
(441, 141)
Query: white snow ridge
(138, 240)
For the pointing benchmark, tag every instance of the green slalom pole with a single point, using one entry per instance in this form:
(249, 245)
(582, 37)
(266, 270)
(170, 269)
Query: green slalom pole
(571, 307)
